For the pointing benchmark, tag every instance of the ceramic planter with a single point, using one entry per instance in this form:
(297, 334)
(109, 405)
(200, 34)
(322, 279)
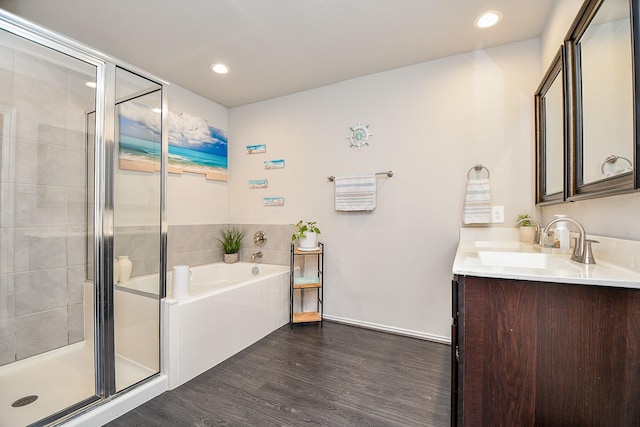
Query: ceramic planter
(309, 242)
(527, 234)
(231, 258)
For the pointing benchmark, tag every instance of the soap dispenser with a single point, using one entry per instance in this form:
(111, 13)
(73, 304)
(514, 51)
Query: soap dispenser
(561, 235)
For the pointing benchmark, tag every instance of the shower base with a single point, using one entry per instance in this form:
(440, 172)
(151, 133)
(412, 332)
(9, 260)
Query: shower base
(59, 378)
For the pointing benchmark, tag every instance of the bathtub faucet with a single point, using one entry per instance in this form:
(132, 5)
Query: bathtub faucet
(256, 256)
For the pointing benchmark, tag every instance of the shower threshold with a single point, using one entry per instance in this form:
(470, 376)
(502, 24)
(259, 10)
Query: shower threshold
(60, 378)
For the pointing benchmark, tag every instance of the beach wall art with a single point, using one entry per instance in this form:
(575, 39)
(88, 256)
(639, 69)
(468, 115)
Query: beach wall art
(194, 146)
(139, 137)
(256, 149)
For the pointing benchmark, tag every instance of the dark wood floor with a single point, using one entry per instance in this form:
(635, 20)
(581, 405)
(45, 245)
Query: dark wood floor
(332, 376)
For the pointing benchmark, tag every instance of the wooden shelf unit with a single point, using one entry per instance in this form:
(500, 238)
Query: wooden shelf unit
(306, 284)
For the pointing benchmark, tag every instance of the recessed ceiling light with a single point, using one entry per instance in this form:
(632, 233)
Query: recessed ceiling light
(488, 19)
(219, 68)
(92, 85)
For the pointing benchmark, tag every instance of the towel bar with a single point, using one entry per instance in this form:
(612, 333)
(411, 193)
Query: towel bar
(388, 173)
(478, 168)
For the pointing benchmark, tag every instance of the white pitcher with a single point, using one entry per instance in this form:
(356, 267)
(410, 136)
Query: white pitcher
(181, 280)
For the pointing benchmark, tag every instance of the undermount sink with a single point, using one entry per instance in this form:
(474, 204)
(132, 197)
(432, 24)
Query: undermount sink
(514, 259)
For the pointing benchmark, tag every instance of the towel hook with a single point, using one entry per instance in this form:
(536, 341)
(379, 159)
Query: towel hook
(478, 168)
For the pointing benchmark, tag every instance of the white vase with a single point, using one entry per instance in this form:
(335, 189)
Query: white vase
(116, 271)
(309, 242)
(125, 268)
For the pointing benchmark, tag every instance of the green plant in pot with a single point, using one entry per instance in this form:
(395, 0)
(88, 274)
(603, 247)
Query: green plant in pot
(526, 222)
(230, 243)
(307, 235)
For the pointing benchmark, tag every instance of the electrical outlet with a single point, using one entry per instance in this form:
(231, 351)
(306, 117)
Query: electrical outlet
(497, 214)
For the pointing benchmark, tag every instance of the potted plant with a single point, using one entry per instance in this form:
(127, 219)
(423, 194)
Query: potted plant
(307, 234)
(230, 243)
(526, 228)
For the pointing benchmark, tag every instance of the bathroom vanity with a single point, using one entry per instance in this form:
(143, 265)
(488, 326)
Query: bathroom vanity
(538, 339)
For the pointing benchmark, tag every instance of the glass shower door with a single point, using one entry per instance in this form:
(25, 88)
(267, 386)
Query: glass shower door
(46, 360)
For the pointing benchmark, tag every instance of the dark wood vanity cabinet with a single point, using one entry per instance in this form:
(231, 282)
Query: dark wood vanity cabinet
(544, 354)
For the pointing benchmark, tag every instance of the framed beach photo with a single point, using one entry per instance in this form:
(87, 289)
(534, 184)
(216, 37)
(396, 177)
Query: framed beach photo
(273, 201)
(274, 164)
(258, 183)
(256, 149)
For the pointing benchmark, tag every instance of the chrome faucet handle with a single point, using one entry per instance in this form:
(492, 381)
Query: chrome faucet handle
(260, 238)
(587, 256)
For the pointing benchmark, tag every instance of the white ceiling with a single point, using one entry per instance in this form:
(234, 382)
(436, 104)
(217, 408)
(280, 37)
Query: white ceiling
(279, 47)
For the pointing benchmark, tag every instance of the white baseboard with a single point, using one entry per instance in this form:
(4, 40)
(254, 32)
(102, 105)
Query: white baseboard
(389, 329)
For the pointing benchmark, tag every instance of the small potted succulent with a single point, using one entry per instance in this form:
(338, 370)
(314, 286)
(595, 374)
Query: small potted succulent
(230, 243)
(307, 235)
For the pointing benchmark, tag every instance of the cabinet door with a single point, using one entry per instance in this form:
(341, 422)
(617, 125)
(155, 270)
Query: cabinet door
(588, 359)
(497, 352)
(538, 354)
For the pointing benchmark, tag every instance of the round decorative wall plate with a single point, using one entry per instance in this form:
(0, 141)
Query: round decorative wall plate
(359, 135)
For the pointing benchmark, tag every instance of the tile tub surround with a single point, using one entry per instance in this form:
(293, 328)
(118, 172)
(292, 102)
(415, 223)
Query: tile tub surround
(142, 245)
(197, 244)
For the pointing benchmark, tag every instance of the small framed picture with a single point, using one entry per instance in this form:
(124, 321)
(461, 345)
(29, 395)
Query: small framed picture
(258, 183)
(256, 149)
(274, 164)
(273, 201)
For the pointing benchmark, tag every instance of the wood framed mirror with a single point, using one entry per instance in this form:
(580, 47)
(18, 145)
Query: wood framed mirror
(602, 58)
(550, 134)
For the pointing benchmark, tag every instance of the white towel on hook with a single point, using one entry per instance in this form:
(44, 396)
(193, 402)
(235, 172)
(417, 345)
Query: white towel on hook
(355, 192)
(477, 207)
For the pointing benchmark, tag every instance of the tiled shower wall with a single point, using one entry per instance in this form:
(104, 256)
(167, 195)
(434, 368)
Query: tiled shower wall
(43, 195)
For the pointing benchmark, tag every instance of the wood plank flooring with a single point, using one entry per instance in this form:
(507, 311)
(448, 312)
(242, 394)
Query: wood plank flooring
(337, 375)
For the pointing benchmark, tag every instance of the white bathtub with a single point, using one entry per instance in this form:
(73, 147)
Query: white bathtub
(229, 308)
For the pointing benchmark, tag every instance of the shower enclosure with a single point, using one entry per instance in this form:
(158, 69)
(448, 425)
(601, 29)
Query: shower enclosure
(82, 158)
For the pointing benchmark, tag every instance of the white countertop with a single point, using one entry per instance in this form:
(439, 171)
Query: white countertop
(496, 252)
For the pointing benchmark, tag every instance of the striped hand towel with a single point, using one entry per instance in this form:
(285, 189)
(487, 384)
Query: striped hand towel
(355, 192)
(477, 208)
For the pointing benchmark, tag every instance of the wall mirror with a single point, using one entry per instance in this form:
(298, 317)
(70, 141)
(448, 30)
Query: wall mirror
(550, 134)
(603, 144)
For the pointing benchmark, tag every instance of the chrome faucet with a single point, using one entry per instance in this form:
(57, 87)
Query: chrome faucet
(256, 256)
(537, 237)
(582, 251)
